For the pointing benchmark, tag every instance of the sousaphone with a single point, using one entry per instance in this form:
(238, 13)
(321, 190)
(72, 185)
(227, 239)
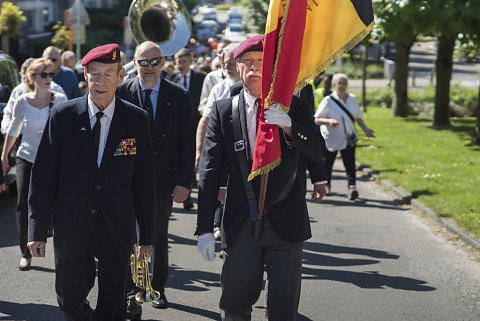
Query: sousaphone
(164, 22)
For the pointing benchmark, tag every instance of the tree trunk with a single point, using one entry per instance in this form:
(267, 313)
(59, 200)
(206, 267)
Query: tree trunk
(476, 133)
(400, 106)
(6, 44)
(443, 68)
(366, 42)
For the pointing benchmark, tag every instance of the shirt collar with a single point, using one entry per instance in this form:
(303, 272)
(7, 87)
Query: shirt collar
(155, 87)
(249, 99)
(92, 109)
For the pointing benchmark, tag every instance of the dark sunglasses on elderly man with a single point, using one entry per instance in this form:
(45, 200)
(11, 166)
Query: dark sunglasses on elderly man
(146, 62)
(45, 74)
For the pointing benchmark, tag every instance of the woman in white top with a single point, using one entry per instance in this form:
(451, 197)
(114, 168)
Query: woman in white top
(31, 111)
(335, 125)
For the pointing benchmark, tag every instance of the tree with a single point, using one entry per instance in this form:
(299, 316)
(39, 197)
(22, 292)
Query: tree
(257, 13)
(61, 39)
(451, 17)
(11, 18)
(400, 21)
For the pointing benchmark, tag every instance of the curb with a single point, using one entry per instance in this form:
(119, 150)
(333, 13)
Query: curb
(406, 198)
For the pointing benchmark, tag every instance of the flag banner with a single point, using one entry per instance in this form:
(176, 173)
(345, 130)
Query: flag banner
(302, 38)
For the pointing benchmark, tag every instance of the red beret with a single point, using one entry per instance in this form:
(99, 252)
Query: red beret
(106, 54)
(254, 43)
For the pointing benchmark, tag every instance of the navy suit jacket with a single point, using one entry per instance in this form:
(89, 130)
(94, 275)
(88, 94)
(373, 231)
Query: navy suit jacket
(67, 184)
(285, 205)
(173, 134)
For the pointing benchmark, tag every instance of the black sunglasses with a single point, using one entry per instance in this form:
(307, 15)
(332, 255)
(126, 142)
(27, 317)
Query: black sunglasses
(45, 74)
(146, 62)
(54, 60)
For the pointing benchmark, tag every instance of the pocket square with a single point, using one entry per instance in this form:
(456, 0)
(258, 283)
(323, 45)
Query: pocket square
(126, 147)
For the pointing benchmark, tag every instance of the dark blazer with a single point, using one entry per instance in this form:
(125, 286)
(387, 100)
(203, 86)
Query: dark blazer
(285, 205)
(173, 134)
(316, 168)
(195, 89)
(67, 183)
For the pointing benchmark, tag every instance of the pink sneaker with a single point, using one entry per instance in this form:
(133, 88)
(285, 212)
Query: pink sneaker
(352, 192)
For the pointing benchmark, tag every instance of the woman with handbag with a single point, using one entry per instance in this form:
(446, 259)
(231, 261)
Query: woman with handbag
(336, 115)
(29, 111)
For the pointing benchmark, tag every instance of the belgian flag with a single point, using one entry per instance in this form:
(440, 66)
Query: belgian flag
(302, 38)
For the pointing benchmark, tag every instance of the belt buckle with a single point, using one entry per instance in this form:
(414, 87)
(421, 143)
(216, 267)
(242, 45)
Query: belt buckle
(239, 146)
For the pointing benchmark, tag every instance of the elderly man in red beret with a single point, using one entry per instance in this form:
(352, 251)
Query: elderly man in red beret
(93, 177)
(229, 145)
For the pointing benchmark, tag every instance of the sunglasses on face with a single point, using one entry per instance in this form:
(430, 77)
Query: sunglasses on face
(45, 74)
(146, 62)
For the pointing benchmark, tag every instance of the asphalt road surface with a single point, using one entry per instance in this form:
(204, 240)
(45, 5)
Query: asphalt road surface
(367, 260)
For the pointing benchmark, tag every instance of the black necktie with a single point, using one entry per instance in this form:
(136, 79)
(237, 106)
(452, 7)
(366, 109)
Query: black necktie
(185, 82)
(148, 105)
(96, 132)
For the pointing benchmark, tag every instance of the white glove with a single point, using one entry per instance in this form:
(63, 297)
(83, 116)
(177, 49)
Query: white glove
(206, 246)
(276, 116)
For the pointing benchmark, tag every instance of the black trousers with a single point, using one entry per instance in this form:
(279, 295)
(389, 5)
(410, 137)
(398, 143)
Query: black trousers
(74, 280)
(160, 245)
(24, 170)
(242, 275)
(348, 157)
(159, 265)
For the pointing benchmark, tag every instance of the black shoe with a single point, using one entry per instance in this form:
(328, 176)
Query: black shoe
(134, 310)
(188, 204)
(161, 303)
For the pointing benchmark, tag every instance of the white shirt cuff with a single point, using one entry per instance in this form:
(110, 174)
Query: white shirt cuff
(321, 182)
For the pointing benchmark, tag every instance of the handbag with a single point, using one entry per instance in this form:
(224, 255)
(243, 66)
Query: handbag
(352, 137)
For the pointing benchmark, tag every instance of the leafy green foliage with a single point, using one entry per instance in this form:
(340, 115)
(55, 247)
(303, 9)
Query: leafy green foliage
(353, 69)
(61, 38)
(11, 18)
(257, 12)
(436, 166)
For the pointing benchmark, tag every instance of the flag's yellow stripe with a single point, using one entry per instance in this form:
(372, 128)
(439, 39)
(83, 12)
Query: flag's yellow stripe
(275, 11)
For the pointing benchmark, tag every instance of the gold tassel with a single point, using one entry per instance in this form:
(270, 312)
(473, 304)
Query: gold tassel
(264, 169)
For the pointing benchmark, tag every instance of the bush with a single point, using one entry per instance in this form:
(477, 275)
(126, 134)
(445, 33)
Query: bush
(353, 69)
(463, 101)
(381, 97)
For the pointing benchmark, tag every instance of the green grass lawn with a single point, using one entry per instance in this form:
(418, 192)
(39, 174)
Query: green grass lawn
(440, 167)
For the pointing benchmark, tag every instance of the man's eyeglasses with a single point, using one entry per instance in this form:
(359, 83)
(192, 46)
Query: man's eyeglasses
(54, 60)
(45, 74)
(146, 62)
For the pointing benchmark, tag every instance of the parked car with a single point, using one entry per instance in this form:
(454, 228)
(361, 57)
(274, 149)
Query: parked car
(234, 32)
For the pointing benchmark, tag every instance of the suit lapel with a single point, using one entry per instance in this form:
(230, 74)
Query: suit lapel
(85, 130)
(243, 123)
(115, 134)
(137, 93)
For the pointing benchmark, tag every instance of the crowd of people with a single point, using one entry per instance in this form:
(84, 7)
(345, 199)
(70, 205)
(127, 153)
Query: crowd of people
(105, 152)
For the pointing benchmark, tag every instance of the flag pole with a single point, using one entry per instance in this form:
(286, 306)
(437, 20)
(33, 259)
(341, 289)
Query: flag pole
(261, 205)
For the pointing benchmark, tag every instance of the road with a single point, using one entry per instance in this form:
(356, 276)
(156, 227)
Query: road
(369, 260)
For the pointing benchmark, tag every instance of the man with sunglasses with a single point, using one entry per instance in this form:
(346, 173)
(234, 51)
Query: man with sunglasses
(173, 146)
(64, 76)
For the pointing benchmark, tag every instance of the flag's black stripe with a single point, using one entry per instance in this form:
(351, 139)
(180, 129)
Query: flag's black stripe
(364, 9)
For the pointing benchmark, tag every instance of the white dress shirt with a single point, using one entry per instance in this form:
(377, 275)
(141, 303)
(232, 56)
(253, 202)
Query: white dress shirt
(251, 117)
(219, 91)
(153, 95)
(211, 79)
(32, 120)
(105, 122)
